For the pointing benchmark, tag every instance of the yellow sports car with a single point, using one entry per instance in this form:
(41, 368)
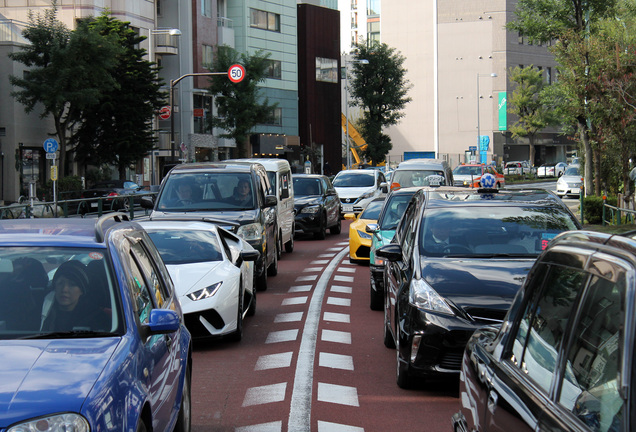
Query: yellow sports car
(359, 238)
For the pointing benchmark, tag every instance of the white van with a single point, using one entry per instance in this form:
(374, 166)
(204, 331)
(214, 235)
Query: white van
(279, 172)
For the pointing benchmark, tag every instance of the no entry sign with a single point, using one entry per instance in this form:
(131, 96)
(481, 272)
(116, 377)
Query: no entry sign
(164, 113)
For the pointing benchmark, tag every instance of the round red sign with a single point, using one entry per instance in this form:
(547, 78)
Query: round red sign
(164, 113)
(236, 73)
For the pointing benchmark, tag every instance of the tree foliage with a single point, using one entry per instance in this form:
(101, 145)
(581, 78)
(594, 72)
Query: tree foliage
(380, 87)
(119, 129)
(240, 105)
(68, 72)
(527, 104)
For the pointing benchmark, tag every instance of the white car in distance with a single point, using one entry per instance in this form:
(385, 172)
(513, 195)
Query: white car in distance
(213, 273)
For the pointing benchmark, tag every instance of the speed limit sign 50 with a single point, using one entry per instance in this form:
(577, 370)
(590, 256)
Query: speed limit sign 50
(236, 73)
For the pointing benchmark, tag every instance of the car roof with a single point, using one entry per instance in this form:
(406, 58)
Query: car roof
(308, 176)
(181, 224)
(209, 166)
(77, 232)
(447, 196)
(623, 244)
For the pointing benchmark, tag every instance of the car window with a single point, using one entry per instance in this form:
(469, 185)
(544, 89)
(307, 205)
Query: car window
(409, 178)
(372, 210)
(495, 230)
(393, 211)
(407, 228)
(591, 388)
(152, 281)
(186, 246)
(572, 171)
(542, 329)
(354, 179)
(306, 186)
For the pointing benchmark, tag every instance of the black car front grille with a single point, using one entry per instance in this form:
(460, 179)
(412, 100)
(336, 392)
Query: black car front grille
(486, 316)
(451, 360)
(363, 252)
(195, 326)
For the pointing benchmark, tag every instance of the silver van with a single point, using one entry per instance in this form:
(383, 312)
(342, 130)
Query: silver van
(279, 173)
(422, 172)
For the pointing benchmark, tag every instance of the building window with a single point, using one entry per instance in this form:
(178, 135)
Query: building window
(373, 7)
(158, 6)
(354, 20)
(264, 20)
(275, 117)
(548, 75)
(274, 69)
(202, 110)
(207, 55)
(206, 8)
(326, 70)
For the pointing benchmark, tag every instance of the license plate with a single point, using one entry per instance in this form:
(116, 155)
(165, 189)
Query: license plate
(347, 208)
(93, 205)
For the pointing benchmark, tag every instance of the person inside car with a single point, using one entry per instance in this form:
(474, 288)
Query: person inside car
(242, 194)
(64, 309)
(184, 194)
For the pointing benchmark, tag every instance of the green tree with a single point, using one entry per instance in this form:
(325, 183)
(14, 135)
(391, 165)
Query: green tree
(380, 87)
(119, 129)
(567, 21)
(68, 72)
(527, 104)
(240, 105)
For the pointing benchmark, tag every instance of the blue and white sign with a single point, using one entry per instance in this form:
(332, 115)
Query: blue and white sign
(50, 145)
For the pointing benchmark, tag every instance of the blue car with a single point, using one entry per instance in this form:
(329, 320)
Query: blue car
(91, 332)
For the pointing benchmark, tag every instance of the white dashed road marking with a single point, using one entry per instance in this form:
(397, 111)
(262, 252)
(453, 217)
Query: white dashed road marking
(274, 361)
(341, 289)
(324, 426)
(335, 361)
(294, 301)
(336, 336)
(270, 427)
(282, 336)
(289, 317)
(343, 278)
(338, 394)
(300, 288)
(336, 317)
(337, 301)
(265, 394)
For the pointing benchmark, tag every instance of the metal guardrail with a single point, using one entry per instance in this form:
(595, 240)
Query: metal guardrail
(81, 207)
(616, 215)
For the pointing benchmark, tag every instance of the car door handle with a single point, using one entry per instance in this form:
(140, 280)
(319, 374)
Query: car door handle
(168, 340)
(492, 401)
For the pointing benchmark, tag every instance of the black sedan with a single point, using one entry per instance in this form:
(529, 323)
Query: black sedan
(457, 260)
(112, 191)
(316, 205)
(563, 358)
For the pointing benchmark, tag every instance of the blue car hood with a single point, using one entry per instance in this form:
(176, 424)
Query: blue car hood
(488, 283)
(49, 376)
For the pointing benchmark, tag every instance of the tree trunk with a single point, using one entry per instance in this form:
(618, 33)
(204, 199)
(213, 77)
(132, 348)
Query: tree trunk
(598, 181)
(531, 139)
(588, 159)
(60, 129)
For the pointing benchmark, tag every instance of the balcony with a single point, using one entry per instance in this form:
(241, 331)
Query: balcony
(225, 32)
(166, 44)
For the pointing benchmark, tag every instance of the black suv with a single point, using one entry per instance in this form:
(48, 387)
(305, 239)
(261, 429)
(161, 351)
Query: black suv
(563, 359)
(457, 259)
(228, 192)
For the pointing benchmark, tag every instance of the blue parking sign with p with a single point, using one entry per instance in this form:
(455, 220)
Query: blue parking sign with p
(50, 145)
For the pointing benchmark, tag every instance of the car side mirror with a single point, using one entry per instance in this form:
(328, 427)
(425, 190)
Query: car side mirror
(371, 228)
(271, 201)
(350, 216)
(148, 202)
(384, 187)
(160, 321)
(250, 255)
(391, 252)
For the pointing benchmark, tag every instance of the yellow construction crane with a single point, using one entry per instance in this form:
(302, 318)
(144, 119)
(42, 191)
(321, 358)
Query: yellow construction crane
(360, 144)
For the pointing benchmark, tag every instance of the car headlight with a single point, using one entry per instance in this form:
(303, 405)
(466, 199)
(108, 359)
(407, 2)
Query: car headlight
(364, 235)
(253, 231)
(366, 195)
(206, 292)
(311, 209)
(423, 296)
(54, 423)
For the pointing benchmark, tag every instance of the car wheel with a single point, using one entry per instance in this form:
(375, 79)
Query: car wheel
(388, 338)
(237, 334)
(184, 421)
(252, 309)
(403, 377)
(322, 233)
(261, 280)
(272, 269)
(337, 228)
(376, 299)
(289, 246)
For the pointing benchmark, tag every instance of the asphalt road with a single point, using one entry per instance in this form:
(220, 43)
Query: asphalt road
(312, 358)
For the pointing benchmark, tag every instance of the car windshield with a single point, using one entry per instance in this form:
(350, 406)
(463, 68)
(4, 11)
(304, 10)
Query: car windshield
(186, 246)
(207, 191)
(467, 170)
(354, 179)
(57, 293)
(572, 171)
(474, 231)
(372, 210)
(408, 178)
(306, 186)
(393, 210)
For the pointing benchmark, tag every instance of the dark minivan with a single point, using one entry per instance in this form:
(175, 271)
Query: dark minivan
(232, 193)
